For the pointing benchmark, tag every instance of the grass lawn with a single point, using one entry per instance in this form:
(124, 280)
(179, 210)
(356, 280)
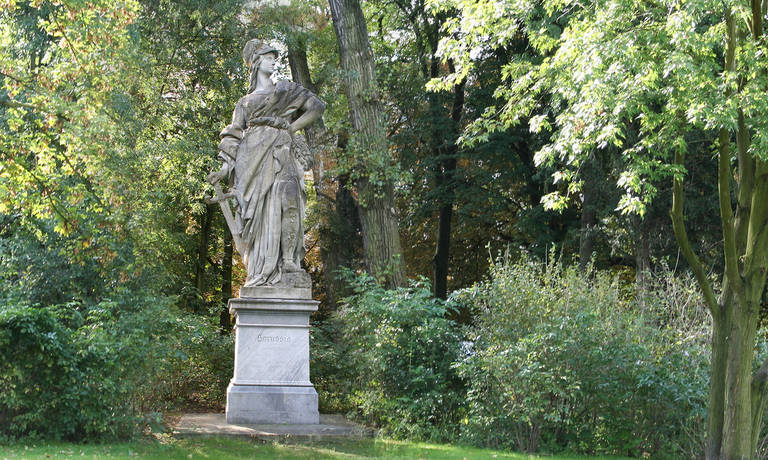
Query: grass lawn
(228, 448)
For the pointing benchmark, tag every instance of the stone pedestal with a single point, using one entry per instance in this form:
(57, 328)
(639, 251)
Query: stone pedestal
(271, 382)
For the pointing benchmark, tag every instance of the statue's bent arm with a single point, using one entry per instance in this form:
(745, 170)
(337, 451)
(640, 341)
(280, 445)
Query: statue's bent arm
(313, 109)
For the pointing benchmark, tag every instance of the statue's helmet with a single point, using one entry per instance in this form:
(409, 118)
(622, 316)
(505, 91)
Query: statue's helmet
(256, 47)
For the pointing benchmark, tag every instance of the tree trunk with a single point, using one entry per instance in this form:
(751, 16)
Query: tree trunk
(225, 320)
(381, 238)
(341, 221)
(427, 29)
(737, 429)
(589, 194)
(586, 232)
(745, 242)
(441, 260)
(202, 250)
(736, 397)
(643, 253)
(719, 364)
(445, 170)
(297, 61)
(343, 235)
(642, 259)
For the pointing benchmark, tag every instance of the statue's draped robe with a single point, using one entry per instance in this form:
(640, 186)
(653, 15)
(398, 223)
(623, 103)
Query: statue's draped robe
(259, 153)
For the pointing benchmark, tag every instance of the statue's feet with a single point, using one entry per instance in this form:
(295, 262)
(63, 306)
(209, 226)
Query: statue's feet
(290, 267)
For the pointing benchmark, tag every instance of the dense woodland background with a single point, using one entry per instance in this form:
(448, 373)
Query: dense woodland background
(492, 249)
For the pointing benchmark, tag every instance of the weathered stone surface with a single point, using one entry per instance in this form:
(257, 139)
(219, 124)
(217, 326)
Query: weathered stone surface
(277, 292)
(263, 163)
(331, 425)
(236, 305)
(253, 404)
(271, 379)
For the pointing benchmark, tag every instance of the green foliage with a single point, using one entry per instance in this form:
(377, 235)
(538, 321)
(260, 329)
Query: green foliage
(199, 369)
(642, 90)
(103, 371)
(555, 360)
(399, 349)
(109, 114)
(74, 372)
(493, 187)
(88, 352)
(333, 373)
(560, 361)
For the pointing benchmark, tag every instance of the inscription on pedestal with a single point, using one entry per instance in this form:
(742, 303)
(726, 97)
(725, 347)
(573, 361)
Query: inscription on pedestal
(273, 338)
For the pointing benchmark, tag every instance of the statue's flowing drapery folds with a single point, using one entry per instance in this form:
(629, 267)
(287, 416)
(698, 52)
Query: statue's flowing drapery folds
(268, 162)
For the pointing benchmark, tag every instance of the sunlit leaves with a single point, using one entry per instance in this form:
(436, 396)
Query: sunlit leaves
(55, 129)
(619, 74)
(109, 115)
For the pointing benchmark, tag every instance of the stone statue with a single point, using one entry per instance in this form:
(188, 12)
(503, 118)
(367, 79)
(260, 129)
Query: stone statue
(264, 160)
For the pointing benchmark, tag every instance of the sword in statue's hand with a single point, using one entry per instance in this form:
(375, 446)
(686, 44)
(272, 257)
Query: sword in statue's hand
(223, 200)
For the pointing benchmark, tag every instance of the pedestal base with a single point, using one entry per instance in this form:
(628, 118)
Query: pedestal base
(271, 382)
(252, 404)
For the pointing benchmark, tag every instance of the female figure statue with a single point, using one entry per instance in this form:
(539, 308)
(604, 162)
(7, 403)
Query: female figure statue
(265, 161)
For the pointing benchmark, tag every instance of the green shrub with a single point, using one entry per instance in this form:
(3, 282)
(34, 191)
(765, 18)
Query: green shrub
(333, 372)
(79, 372)
(554, 360)
(561, 361)
(400, 350)
(88, 348)
(200, 369)
(40, 372)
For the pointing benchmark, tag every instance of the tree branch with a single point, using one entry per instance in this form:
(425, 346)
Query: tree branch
(755, 259)
(681, 235)
(724, 176)
(16, 104)
(757, 19)
(326, 196)
(745, 185)
(726, 214)
(759, 386)
(75, 54)
(48, 194)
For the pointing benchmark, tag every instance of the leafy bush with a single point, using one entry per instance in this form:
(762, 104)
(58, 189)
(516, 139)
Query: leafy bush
(561, 361)
(75, 373)
(197, 376)
(88, 349)
(399, 349)
(332, 371)
(70, 372)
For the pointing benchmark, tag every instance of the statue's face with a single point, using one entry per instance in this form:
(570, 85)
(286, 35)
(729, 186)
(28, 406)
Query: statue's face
(267, 64)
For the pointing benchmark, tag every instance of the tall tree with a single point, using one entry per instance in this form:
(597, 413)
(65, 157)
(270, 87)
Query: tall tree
(674, 72)
(373, 168)
(442, 116)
